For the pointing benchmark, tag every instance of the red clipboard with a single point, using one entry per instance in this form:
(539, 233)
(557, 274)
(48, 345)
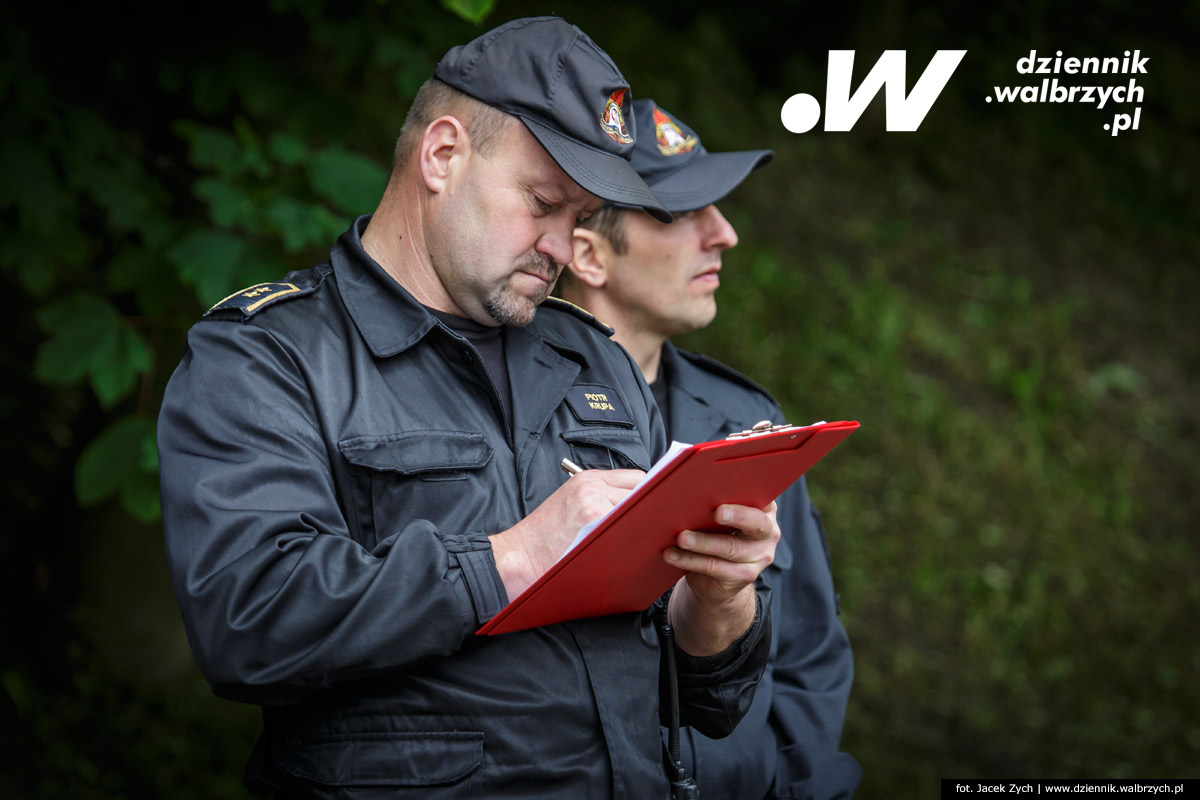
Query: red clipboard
(619, 566)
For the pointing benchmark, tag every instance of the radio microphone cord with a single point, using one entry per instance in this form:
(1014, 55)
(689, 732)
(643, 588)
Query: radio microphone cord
(683, 786)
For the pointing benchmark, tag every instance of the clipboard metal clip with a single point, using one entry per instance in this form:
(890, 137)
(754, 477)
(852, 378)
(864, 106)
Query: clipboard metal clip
(760, 428)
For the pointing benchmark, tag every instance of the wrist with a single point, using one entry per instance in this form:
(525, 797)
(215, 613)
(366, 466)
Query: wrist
(706, 627)
(512, 565)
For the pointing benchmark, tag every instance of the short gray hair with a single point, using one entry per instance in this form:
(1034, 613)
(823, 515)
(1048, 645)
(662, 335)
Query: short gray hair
(435, 98)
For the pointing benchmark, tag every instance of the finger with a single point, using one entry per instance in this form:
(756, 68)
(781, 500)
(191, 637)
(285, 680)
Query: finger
(725, 546)
(603, 481)
(593, 498)
(720, 569)
(595, 482)
(616, 495)
(728, 547)
(749, 522)
(620, 478)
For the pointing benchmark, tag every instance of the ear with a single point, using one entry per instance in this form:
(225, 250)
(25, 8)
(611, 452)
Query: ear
(593, 258)
(444, 150)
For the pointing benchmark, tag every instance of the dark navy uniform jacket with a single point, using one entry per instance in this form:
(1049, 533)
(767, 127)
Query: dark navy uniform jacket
(787, 744)
(333, 460)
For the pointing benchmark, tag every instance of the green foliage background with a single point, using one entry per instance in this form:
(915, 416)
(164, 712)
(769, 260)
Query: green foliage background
(1005, 299)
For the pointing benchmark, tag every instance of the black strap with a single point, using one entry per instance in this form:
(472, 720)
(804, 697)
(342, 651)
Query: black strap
(683, 786)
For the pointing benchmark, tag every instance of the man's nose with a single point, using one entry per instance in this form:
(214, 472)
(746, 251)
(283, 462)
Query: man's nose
(717, 231)
(558, 244)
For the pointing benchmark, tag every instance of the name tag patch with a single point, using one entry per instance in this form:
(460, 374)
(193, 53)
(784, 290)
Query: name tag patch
(594, 403)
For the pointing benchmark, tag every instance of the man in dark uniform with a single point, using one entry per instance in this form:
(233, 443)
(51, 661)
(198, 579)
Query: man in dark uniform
(651, 281)
(360, 466)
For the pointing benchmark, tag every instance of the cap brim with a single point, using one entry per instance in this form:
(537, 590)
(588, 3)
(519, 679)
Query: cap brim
(708, 178)
(605, 175)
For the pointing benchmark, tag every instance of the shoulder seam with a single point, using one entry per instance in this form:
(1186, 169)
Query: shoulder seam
(725, 371)
(558, 304)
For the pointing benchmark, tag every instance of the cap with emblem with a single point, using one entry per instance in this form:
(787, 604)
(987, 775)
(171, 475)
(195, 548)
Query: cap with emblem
(567, 92)
(669, 156)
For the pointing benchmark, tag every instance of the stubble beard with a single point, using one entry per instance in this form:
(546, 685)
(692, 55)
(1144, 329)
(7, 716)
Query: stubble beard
(509, 307)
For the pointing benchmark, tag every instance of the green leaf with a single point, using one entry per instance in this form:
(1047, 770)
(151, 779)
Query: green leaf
(291, 218)
(227, 203)
(266, 87)
(130, 199)
(129, 268)
(40, 264)
(29, 181)
(263, 262)
(139, 495)
(352, 182)
(391, 51)
(89, 337)
(82, 329)
(253, 157)
(53, 316)
(210, 263)
(473, 11)
(149, 459)
(91, 135)
(138, 270)
(211, 148)
(106, 166)
(302, 225)
(38, 275)
(110, 458)
(409, 79)
(287, 150)
(113, 373)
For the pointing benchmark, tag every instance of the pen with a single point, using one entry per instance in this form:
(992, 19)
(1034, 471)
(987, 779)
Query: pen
(570, 467)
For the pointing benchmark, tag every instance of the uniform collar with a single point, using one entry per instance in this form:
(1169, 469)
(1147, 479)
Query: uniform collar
(693, 417)
(387, 316)
(390, 319)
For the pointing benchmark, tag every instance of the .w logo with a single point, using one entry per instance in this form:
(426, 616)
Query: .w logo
(801, 111)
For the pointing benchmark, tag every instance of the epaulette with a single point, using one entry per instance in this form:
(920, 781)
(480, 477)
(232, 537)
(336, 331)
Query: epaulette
(724, 371)
(558, 304)
(255, 298)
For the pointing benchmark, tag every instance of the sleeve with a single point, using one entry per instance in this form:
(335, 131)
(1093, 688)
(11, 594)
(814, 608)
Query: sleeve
(813, 666)
(788, 744)
(276, 597)
(715, 692)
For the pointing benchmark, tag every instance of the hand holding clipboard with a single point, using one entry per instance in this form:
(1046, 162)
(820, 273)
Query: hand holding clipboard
(617, 565)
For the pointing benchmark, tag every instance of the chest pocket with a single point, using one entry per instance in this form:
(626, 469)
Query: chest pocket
(599, 447)
(392, 764)
(401, 477)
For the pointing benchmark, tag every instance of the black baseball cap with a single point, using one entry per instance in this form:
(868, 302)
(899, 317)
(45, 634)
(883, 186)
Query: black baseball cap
(669, 156)
(568, 93)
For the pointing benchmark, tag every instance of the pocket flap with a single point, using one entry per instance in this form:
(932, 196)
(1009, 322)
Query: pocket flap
(387, 758)
(418, 451)
(621, 440)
